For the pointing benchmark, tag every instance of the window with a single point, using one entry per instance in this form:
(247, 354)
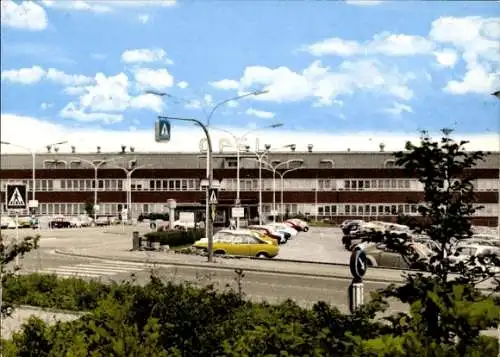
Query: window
(374, 210)
(367, 184)
(360, 210)
(320, 211)
(152, 185)
(347, 184)
(389, 164)
(158, 185)
(334, 210)
(231, 163)
(63, 185)
(184, 185)
(120, 185)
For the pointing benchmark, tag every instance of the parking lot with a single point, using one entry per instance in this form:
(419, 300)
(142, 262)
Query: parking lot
(320, 244)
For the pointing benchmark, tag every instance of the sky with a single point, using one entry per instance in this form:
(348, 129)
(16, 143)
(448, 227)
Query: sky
(337, 74)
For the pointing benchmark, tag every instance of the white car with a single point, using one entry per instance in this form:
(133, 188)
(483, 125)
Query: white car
(80, 221)
(284, 227)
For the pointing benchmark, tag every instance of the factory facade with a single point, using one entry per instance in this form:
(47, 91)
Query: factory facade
(326, 185)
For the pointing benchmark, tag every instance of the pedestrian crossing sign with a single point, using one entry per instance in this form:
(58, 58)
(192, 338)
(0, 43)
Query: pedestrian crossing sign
(16, 197)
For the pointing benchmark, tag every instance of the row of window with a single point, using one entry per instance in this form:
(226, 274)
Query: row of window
(322, 211)
(231, 185)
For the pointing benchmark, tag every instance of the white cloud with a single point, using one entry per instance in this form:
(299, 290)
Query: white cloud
(144, 55)
(107, 99)
(383, 43)
(232, 104)
(333, 46)
(323, 83)
(187, 138)
(259, 113)
(36, 73)
(104, 6)
(72, 111)
(144, 18)
(147, 101)
(182, 84)
(98, 56)
(156, 79)
(363, 2)
(67, 79)
(24, 75)
(77, 5)
(398, 108)
(27, 15)
(225, 84)
(399, 45)
(447, 57)
(477, 39)
(476, 80)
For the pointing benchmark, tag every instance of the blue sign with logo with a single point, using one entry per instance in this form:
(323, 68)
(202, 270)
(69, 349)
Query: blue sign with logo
(162, 130)
(358, 264)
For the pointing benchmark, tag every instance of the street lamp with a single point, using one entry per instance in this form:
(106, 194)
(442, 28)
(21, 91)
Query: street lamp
(274, 170)
(204, 127)
(497, 94)
(96, 167)
(128, 173)
(238, 140)
(209, 219)
(33, 162)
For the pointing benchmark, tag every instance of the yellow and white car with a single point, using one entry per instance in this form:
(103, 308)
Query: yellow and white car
(240, 242)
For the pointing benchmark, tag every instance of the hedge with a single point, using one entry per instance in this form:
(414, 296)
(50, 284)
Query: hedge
(169, 320)
(153, 216)
(175, 238)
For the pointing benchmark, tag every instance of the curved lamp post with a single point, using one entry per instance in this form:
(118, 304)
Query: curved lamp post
(33, 162)
(238, 140)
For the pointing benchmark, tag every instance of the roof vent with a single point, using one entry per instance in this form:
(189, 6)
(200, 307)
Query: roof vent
(348, 149)
(132, 149)
(124, 147)
(49, 148)
(247, 148)
(98, 149)
(56, 149)
(310, 147)
(382, 147)
(73, 149)
(293, 147)
(267, 146)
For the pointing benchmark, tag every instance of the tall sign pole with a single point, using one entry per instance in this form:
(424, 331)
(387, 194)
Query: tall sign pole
(358, 265)
(16, 202)
(163, 134)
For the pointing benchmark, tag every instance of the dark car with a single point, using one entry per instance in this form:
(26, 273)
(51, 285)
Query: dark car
(59, 222)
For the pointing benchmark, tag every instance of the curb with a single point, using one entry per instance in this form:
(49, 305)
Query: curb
(232, 268)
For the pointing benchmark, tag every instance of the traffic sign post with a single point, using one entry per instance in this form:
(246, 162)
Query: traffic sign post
(212, 200)
(162, 130)
(16, 198)
(358, 265)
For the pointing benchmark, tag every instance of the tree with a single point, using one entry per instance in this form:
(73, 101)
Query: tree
(89, 208)
(446, 314)
(443, 167)
(9, 250)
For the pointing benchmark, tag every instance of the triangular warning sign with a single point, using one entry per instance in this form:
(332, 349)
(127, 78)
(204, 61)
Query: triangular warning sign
(16, 200)
(164, 130)
(213, 197)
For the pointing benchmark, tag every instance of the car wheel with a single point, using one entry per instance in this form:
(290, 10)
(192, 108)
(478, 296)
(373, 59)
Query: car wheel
(262, 255)
(305, 229)
(219, 252)
(152, 226)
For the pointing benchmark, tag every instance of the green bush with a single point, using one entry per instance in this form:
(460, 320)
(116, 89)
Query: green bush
(164, 319)
(153, 216)
(175, 238)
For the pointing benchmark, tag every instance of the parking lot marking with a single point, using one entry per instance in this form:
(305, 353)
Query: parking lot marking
(94, 270)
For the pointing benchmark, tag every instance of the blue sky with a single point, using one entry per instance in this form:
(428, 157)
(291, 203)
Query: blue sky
(329, 66)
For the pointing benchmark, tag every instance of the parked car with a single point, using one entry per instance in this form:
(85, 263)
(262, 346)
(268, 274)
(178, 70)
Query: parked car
(81, 221)
(7, 222)
(486, 255)
(284, 227)
(298, 224)
(350, 224)
(102, 221)
(411, 256)
(59, 222)
(270, 232)
(243, 242)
